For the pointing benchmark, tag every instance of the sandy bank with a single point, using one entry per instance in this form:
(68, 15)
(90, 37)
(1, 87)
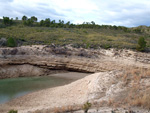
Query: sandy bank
(74, 93)
(98, 87)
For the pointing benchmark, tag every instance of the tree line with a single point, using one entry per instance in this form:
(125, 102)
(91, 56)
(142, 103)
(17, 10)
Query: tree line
(33, 22)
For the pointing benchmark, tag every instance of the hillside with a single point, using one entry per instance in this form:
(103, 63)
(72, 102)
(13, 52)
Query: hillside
(84, 35)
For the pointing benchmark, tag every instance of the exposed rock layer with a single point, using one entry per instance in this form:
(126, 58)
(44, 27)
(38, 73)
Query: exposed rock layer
(41, 60)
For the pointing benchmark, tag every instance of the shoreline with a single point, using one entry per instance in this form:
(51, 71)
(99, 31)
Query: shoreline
(97, 88)
(70, 75)
(59, 96)
(105, 84)
(64, 78)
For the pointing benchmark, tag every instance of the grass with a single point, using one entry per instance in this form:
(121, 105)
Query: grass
(86, 38)
(137, 93)
(13, 111)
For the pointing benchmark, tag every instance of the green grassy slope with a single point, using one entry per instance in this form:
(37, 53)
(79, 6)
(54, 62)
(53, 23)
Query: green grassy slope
(83, 37)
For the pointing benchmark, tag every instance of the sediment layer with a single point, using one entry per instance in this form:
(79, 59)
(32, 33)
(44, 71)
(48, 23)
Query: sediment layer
(43, 60)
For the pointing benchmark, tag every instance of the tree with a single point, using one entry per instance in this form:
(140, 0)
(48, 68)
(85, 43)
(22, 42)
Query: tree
(68, 23)
(141, 44)
(53, 22)
(33, 18)
(47, 22)
(42, 23)
(92, 22)
(61, 23)
(16, 18)
(24, 18)
(11, 42)
(6, 20)
(11, 21)
(30, 22)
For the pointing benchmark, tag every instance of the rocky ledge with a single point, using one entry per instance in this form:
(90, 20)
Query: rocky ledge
(41, 60)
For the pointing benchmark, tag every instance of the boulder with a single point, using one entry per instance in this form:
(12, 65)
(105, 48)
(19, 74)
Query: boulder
(3, 42)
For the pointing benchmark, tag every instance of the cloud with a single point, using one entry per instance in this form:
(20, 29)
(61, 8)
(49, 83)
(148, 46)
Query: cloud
(117, 12)
(125, 13)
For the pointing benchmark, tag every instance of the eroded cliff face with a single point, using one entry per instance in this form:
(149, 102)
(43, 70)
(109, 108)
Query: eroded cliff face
(43, 60)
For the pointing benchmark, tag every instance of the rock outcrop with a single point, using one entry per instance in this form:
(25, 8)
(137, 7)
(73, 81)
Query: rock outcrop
(45, 59)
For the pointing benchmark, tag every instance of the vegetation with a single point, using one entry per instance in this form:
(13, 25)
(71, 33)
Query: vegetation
(141, 44)
(13, 111)
(7, 21)
(86, 107)
(87, 35)
(136, 97)
(11, 42)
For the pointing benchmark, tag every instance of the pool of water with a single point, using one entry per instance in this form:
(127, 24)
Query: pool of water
(15, 87)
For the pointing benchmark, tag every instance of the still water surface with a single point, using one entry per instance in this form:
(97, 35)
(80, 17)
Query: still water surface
(15, 87)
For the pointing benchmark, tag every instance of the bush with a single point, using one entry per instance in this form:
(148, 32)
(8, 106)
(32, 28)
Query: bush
(141, 44)
(86, 106)
(13, 111)
(11, 42)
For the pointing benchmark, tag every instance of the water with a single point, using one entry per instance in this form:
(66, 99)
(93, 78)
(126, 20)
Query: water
(15, 87)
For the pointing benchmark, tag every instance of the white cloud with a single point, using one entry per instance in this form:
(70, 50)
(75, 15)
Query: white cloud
(116, 12)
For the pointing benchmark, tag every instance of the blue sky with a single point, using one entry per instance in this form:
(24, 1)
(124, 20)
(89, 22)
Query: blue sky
(128, 13)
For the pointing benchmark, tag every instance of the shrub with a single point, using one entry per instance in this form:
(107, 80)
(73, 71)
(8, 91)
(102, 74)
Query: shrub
(13, 111)
(11, 42)
(86, 106)
(141, 44)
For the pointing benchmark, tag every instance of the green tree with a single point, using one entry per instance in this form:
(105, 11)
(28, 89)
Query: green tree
(34, 19)
(67, 24)
(16, 18)
(47, 22)
(61, 23)
(24, 18)
(53, 22)
(7, 21)
(141, 44)
(29, 22)
(92, 22)
(42, 23)
(11, 42)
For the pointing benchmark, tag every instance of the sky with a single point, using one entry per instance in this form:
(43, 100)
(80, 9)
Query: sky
(129, 13)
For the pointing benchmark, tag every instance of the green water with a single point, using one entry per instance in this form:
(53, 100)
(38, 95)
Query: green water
(15, 87)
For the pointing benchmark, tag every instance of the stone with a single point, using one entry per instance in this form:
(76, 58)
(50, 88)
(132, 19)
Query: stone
(3, 42)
